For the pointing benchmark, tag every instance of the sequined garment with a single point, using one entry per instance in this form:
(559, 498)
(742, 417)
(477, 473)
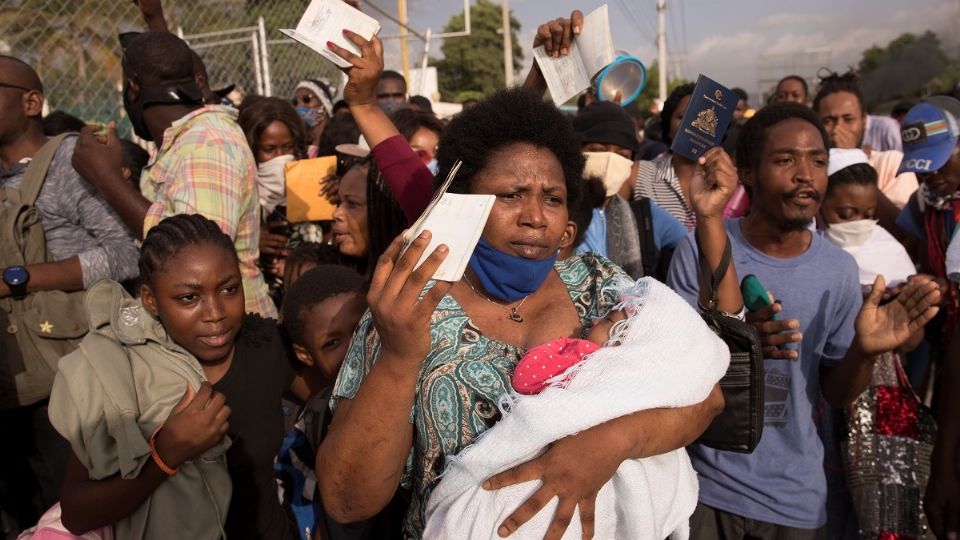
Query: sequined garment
(886, 455)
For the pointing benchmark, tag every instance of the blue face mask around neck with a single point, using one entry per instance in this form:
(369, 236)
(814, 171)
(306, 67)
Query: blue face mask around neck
(508, 277)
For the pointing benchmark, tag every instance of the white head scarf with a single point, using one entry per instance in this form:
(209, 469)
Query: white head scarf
(325, 94)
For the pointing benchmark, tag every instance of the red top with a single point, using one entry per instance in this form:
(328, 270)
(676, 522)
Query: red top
(547, 361)
(410, 181)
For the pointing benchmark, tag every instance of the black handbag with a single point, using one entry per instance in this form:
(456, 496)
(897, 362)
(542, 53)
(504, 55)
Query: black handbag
(739, 426)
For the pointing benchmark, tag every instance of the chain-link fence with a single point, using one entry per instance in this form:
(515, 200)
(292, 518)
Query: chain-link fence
(74, 48)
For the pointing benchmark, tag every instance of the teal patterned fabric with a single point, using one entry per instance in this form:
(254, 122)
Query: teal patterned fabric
(464, 376)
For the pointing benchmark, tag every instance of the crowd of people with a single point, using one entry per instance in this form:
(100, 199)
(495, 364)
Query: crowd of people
(182, 361)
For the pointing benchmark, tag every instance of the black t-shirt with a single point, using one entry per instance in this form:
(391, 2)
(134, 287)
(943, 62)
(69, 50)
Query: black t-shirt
(253, 386)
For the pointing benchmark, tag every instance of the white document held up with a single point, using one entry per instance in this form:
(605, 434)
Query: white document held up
(591, 51)
(455, 220)
(325, 20)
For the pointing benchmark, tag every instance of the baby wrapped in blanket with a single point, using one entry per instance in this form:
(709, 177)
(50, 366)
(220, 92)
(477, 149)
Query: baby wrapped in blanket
(661, 355)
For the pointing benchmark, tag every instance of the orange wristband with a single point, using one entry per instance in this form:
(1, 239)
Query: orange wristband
(156, 456)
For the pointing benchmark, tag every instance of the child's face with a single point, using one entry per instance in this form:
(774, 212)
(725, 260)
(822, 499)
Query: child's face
(600, 332)
(850, 202)
(198, 296)
(329, 326)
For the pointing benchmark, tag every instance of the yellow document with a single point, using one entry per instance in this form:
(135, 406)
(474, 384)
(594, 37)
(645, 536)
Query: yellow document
(304, 182)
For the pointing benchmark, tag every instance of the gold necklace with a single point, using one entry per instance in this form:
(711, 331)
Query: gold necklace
(514, 311)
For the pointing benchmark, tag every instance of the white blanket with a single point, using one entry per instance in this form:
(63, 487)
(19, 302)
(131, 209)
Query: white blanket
(667, 358)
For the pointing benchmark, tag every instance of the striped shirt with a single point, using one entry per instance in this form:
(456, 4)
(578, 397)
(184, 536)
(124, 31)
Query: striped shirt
(204, 166)
(657, 181)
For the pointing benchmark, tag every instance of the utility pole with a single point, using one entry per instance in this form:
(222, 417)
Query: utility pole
(662, 47)
(507, 44)
(404, 53)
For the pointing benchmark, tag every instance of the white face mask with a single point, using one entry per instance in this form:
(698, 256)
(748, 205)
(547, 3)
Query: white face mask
(851, 233)
(271, 184)
(610, 167)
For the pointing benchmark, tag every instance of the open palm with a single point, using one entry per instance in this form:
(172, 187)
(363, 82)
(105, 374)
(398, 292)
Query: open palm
(884, 328)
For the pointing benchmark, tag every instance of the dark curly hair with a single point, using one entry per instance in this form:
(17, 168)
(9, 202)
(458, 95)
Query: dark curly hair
(860, 174)
(834, 82)
(799, 79)
(258, 112)
(315, 286)
(408, 121)
(174, 233)
(751, 139)
(341, 129)
(670, 106)
(59, 122)
(510, 116)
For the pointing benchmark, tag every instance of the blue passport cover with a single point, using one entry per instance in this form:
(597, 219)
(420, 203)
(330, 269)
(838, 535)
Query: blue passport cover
(706, 120)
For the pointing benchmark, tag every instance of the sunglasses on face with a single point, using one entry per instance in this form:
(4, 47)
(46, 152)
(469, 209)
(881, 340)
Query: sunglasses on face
(306, 100)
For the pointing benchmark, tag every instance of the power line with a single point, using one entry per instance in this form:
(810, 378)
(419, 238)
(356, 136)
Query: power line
(673, 42)
(645, 31)
(628, 13)
(683, 24)
(673, 27)
(651, 7)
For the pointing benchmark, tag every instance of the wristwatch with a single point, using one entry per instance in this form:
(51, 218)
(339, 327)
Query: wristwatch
(16, 278)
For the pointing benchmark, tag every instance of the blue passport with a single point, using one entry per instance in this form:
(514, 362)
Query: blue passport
(706, 120)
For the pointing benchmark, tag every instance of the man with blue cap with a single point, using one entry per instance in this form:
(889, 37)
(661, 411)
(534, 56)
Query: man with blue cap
(930, 134)
(930, 145)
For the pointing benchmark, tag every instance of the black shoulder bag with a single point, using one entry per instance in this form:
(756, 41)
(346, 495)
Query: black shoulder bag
(739, 426)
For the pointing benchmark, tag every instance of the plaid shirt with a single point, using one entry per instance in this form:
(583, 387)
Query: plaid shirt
(204, 166)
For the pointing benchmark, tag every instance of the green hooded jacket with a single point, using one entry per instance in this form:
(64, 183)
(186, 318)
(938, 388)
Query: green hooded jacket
(111, 394)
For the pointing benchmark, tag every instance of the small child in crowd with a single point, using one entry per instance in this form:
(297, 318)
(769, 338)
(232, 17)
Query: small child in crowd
(172, 402)
(320, 312)
(322, 306)
(849, 212)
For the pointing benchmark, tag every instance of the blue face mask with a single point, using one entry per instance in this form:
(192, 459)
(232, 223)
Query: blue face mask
(507, 277)
(308, 115)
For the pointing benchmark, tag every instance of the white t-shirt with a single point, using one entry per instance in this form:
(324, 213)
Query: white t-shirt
(882, 254)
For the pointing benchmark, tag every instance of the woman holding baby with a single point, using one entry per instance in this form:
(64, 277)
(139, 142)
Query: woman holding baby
(426, 371)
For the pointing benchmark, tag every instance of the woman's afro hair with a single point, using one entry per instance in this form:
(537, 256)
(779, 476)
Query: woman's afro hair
(508, 117)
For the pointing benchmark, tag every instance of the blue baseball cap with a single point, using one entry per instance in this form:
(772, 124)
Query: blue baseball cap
(929, 135)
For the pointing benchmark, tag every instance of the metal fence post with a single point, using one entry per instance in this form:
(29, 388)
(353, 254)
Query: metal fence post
(267, 86)
(255, 45)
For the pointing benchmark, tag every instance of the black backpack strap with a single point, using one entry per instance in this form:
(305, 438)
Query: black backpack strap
(713, 277)
(649, 254)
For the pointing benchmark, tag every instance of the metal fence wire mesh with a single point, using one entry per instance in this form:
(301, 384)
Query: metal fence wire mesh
(73, 46)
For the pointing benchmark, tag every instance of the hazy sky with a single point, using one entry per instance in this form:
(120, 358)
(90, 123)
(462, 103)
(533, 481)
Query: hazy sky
(722, 39)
